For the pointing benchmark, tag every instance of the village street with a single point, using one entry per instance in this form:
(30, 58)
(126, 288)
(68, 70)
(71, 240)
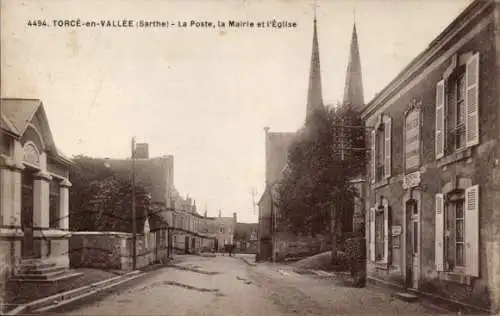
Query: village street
(229, 286)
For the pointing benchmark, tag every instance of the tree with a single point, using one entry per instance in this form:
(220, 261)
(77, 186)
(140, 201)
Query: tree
(100, 199)
(315, 189)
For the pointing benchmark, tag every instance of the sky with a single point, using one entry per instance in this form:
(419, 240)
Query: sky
(203, 95)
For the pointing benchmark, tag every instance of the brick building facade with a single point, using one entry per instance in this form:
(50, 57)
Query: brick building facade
(432, 225)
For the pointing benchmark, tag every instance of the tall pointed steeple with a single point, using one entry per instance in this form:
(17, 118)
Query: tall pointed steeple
(353, 90)
(314, 94)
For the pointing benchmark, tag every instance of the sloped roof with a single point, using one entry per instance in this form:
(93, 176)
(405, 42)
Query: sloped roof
(3, 124)
(17, 114)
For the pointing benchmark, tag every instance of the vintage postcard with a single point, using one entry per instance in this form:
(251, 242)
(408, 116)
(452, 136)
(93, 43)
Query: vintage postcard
(246, 157)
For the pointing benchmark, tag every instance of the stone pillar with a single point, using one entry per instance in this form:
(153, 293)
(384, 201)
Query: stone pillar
(10, 192)
(64, 204)
(41, 200)
(41, 213)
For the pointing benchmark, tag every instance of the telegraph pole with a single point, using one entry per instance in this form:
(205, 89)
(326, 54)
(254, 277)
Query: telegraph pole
(134, 228)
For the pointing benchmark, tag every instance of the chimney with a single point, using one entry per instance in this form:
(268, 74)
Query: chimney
(142, 151)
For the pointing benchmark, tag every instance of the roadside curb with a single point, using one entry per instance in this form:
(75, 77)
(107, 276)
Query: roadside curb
(62, 299)
(373, 285)
(247, 261)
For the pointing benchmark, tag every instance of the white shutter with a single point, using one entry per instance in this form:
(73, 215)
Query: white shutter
(374, 155)
(440, 128)
(386, 233)
(387, 149)
(472, 230)
(472, 101)
(372, 234)
(439, 231)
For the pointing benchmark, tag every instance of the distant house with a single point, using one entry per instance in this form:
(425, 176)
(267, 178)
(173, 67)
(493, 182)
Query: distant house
(246, 237)
(187, 227)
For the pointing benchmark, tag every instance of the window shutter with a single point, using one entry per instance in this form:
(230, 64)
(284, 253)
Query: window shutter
(386, 233)
(472, 101)
(439, 141)
(439, 238)
(372, 234)
(387, 149)
(472, 230)
(374, 154)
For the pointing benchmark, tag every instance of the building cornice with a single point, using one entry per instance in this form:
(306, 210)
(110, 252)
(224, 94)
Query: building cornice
(463, 21)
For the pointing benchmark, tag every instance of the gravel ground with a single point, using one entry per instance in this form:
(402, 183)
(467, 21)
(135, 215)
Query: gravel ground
(228, 286)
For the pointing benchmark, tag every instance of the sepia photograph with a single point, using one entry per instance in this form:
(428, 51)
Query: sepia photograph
(249, 157)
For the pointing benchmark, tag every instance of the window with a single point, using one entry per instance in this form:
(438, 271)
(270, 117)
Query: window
(381, 149)
(457, 106)
(380, 154)
(54, 204)
(379, 234)
(456, 111)
(454, 254)
(457, 231)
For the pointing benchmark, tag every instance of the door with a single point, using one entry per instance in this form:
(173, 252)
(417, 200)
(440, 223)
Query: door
(412, 244)
(193, 244)
(186, 244)
(158, 240)
(27, 214)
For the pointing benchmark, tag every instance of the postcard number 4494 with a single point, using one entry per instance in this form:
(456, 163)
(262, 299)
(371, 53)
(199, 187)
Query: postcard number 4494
(37, 23)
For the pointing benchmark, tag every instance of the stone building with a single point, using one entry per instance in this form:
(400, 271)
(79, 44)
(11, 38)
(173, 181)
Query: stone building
(276, 147)
(433, 192)
(187, 226)
(225, 228)
(34, 192)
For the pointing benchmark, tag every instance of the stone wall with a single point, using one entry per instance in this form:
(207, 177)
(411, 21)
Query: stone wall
(297, 246)
(113, 250)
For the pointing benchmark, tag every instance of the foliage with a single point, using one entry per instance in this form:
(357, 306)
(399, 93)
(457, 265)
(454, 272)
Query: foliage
(100, 200)
(316, 180)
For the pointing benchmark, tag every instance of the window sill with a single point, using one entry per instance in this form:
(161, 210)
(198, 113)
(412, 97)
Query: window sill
(455, 277)
(380, 183)
(459, 155)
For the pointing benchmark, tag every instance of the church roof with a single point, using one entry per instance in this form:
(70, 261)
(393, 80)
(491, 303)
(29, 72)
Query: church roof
(314, 94)
(353, 89)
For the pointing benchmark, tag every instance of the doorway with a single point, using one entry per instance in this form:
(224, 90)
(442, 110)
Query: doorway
(412, 244)
(186, 244)
(27, 199)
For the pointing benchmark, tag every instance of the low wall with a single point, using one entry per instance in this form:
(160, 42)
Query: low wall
(113, 250)
(296, 246)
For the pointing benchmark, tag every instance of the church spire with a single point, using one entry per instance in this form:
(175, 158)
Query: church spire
(353, 90)
(314, 95)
